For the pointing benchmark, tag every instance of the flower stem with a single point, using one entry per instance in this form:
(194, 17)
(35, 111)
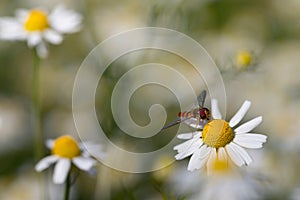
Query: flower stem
(36, 111)
(67, 187)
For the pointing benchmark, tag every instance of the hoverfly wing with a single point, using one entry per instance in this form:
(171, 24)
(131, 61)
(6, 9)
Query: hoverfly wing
(201, 98)
(195, 123)
(176, 121)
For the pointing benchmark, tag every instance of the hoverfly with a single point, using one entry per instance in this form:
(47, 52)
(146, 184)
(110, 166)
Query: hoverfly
(195, 118)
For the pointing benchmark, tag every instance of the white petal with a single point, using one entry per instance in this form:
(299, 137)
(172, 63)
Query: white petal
(188, 149)
(50, 143)
(199, 158)
(234, 155)
(45, 163)
(222, 155)
(211, 160)
(64, 20)
(61, 170)
(249, 140)
(240, 114)
(53, 37)
(11, 29)
(89, 148)
(22, 14)
(42, 50)
(245, 156)
(34, 39)
(84, 163)
(215, 112)
(248, 126)
(183, 146)
(187, 136)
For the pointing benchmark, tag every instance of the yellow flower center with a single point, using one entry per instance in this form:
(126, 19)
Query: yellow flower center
(243, 58)
(217, 133)
(65, 146)
(37, 21)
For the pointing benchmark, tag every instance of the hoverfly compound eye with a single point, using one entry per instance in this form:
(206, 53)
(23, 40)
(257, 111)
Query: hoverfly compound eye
(179, 114)
(204, 113)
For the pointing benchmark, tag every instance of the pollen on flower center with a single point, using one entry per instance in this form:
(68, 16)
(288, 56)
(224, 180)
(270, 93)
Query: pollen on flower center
(36, 21)
(65, 146)
(217, 133)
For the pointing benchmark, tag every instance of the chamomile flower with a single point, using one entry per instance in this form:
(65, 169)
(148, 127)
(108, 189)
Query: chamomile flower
(220, 142)
(244, 59)
(65, 150)
(38, 27)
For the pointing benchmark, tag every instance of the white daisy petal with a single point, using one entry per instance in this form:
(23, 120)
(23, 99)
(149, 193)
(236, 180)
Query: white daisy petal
(50, 143)
(250, 145)
(64, 20)
(22, 14)
(189, 149)
(240, 114)
(194, 161)
(245, 156)
(249, 140)
(34, 39)
(234, 155)
(187, 136)
(91, 148)
(11, 29)
(61, 170)
(222, 155)
(45, 163)
(199, 158)
(211, 160)
(185, 145)
(251, 137)
(42, 50)
(248, 126)
(215, 112)
(53, 37)
(84, 163)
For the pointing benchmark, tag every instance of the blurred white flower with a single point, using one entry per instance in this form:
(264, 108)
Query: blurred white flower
(218, 141)
(65, 150)
(233, 186)
(37, 27)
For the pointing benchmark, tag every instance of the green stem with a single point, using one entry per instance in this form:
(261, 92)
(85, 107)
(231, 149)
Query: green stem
(36, 111)
(67, 187)
(158, 186)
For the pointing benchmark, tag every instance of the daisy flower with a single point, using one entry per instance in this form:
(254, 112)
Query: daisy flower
(220, 141)
(65, 150)
(37, 27)
(244, 59)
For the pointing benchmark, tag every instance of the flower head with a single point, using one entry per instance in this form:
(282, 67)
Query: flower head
(65, 150)
(38, 27)
(220, 142)
(243, 59)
